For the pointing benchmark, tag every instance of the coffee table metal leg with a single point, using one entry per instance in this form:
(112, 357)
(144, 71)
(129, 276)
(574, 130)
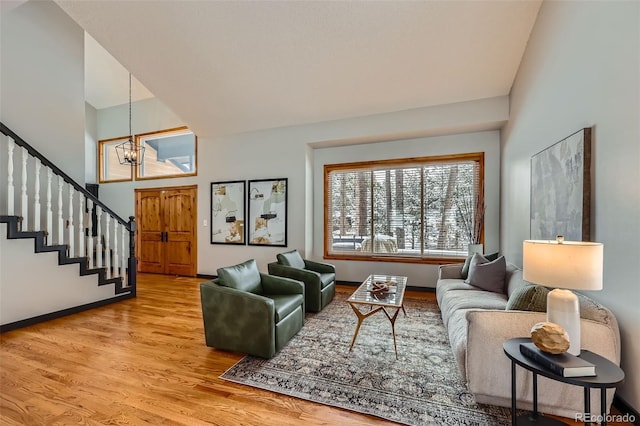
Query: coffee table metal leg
(361, 318)
(393, 327)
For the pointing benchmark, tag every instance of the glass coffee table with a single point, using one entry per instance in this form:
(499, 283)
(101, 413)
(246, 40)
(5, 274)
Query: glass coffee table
(364, 297)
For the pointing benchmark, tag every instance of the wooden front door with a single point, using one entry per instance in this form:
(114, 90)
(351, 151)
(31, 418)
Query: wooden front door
(166, 237)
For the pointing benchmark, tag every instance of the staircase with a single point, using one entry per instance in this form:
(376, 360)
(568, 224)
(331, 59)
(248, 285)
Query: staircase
(105, 249)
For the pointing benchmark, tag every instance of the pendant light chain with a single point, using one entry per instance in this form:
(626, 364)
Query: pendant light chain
(130, 133)
(128, 152)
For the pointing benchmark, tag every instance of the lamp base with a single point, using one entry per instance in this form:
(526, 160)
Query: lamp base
(563, 309)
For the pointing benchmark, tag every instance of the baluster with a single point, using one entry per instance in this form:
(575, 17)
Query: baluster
(10, 193)
(81, 213)
(49, 227)
(116, 225)
(60, 239)
(24, 205)
(107, 245)
(90, 232)
(37, 220)
(123, 272)
(72, 239)
(99, 238)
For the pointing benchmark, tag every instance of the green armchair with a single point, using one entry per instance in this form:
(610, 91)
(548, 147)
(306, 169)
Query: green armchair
(250, 312)
(319, 278)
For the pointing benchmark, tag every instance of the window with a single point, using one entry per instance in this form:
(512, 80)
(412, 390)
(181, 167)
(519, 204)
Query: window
(409, 210)
(110, 169)
(168, 153)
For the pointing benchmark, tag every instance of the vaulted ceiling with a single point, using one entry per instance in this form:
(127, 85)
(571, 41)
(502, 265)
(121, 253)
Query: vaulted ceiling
(236, 66)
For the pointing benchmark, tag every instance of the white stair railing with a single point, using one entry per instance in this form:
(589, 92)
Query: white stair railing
(99, 249)
(108, 250)
(60, 239)
(49, 213)
(24, 205)
(37, 219)
(90, 234)
(10, 191)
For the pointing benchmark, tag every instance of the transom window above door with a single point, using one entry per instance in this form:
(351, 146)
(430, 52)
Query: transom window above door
(170, 153)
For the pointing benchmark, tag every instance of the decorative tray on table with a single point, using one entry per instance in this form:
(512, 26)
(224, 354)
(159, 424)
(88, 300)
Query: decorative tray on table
(381, 288)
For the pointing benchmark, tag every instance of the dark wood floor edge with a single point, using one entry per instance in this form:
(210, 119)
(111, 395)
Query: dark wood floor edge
(623, 407)
(409, 287)
(62, 313)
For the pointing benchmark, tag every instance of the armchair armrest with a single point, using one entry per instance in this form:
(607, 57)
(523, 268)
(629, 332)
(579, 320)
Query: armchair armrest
(321, 267)
(252, 332)
(451, 271)
(309, 277)
(281, 285)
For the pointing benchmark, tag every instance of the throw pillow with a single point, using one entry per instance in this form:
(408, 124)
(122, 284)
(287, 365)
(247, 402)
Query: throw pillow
(492, 256)
(528, 298)
(465, 268)
(487, 275)
(467, 262)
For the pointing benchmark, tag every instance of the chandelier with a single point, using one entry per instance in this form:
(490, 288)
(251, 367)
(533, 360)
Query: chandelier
(129, 152)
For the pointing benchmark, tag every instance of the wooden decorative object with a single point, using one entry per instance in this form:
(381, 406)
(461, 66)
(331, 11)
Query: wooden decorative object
(550, 337)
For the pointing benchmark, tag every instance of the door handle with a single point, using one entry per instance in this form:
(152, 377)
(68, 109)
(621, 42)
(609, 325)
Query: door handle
(166, 237)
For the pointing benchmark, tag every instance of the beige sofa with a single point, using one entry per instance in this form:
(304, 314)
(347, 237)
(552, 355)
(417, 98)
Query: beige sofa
(478, 324)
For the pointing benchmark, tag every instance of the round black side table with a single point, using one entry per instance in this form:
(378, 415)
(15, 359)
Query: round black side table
(608, 376)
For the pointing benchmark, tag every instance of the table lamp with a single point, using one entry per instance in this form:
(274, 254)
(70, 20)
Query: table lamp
(565, 265)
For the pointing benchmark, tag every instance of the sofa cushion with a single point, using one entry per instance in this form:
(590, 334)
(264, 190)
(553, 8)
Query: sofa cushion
(470, 299)
(243, 277)
(291, 258)
(528, 298)
(487, 275)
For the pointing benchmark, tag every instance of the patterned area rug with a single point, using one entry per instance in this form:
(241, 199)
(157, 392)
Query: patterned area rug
(422, 387)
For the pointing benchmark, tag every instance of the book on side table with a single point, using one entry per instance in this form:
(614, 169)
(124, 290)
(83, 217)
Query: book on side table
(565, 365)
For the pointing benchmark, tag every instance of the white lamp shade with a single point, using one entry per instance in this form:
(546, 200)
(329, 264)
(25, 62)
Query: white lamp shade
(574, 265)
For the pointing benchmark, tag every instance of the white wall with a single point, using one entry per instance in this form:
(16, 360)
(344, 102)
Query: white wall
(34, 284)
(91, 144)
(419, 275)
(42, 100)
(148, 115)
(42, 80)
(289, 152)
(581, 69)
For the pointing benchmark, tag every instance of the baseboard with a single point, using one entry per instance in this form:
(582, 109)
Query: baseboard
(62, 313)
(624, 408)
(209, 277)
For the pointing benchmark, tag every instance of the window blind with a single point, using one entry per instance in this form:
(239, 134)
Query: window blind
(420, 208)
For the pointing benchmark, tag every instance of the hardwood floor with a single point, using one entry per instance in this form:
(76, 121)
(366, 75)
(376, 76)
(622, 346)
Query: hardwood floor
(140, 361)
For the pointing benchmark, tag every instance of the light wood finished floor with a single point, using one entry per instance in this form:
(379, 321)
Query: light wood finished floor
(141, 361)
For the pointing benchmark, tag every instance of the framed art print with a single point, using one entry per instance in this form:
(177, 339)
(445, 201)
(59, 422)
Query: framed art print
(561, 189)
(228, 212)
(268, 212)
